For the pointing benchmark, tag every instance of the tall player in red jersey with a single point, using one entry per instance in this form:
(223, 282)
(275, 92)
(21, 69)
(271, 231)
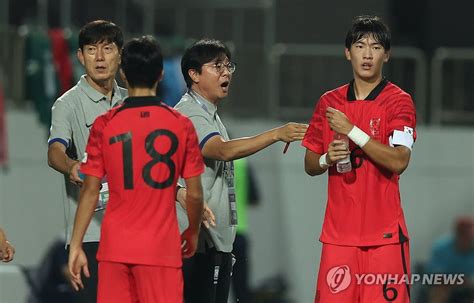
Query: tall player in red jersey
(143, 147)
(364, 229)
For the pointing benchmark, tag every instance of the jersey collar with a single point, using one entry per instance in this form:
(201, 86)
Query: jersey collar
(97, 96)
(373, 94)
(142, 101)
(132, 102)
(208, 106)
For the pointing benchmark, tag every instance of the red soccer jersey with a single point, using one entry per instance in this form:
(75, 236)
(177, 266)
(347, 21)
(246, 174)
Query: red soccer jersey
(363, 206)
(143, 147)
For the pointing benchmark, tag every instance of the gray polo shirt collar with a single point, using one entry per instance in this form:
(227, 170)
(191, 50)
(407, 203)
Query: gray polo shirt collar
(97, 96)
(208, 106)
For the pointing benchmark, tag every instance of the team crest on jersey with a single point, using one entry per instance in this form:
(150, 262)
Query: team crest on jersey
(84, 159)
(408, 130)
(375, 127)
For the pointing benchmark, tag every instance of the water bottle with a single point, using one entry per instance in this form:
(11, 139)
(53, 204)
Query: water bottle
(344, 165)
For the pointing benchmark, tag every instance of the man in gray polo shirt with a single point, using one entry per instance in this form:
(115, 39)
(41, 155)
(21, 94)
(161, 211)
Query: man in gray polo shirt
(207, 70)
(100, 44)
(73, 114)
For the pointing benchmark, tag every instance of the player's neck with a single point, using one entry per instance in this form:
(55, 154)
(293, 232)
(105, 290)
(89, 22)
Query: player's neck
(104, 87)
(141, 92)
(363, 87)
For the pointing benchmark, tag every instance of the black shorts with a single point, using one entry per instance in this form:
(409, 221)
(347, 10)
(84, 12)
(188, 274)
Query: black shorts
(207, 277)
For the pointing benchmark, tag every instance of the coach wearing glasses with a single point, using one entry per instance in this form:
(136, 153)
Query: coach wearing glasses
(207, 69)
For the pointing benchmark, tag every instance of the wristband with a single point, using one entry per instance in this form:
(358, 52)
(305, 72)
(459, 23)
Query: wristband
(358, 136)
(322, 162)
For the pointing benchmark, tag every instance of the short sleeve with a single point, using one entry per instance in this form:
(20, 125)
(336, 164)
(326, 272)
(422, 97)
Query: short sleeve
(93, 161)
(193, 162)
(402, 122)
(204, 126)
(313, 139)
(61, 130)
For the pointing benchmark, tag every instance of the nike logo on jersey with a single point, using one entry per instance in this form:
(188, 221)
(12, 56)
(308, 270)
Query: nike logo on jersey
(89, 125)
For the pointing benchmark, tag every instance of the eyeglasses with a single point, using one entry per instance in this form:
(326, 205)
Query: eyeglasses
(219, 66)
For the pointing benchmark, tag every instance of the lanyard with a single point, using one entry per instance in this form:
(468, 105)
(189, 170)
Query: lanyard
(228, 170)
(195, 96)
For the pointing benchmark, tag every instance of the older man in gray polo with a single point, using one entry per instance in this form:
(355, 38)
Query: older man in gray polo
(100, 44)
(73, 114)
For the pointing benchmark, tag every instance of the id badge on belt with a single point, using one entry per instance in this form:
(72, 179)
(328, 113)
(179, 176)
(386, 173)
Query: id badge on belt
(229, 177)
(103, 197)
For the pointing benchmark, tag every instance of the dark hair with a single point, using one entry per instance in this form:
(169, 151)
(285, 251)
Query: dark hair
(200, 53)
(100, 31)
(369, 26)
(142, 61)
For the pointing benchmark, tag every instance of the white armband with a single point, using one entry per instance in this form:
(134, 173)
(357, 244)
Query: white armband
(358, 136)
(322, 162)
(402, 138)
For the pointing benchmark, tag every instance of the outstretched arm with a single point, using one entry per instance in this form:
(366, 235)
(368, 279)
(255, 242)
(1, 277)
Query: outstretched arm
(219, 149)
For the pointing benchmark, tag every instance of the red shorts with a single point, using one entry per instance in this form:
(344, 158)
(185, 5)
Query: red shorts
(377, 274)
(128, 283)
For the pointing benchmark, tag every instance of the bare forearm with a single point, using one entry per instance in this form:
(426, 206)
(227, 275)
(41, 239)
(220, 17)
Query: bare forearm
(243, 147)
(59, 161)
(219, 149)
(312, 166)
(194, 202)
(395, 159)
(85, 211)
(194, 205)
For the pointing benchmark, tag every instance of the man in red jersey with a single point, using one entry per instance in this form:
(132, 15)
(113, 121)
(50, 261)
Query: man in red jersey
(143, 147)
(364, 230)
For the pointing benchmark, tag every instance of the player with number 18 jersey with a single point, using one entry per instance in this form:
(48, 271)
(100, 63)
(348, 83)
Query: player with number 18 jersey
(144, 146)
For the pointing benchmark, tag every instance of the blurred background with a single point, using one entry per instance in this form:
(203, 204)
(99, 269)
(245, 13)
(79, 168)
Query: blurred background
(288, 52)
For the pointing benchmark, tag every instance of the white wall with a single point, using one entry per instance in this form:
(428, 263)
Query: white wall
(437, 186)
